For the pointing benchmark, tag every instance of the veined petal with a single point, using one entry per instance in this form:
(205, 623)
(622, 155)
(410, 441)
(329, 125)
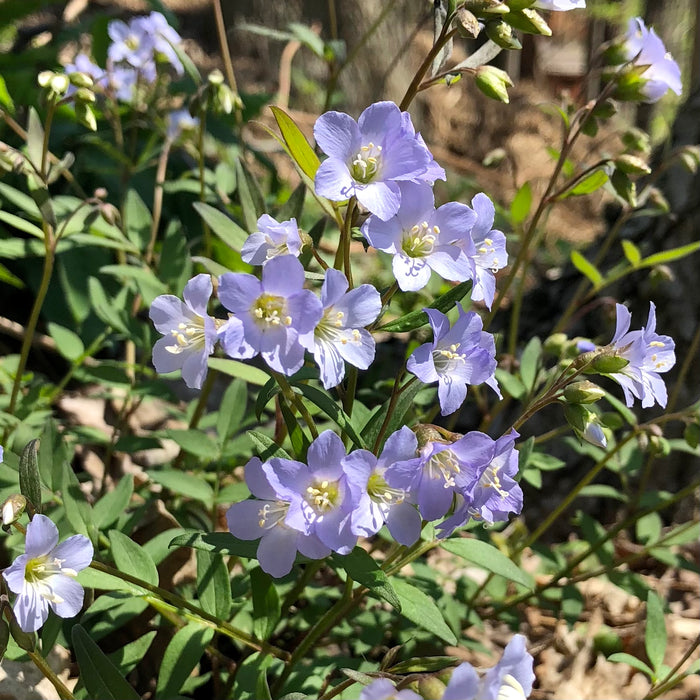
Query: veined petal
(451, 394)
(421, 364)
(333, 180)
(412, 274)
(277, 551)
(75, 553)
(197, 293)
(31, 609)
(380, 198)
(337, 135)
(70, 593)
(42, 536)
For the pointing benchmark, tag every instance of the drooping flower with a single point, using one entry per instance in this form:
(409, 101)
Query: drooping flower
(264, 518)
(180, 121)
(457, 356)
(560, 5)
(423, 239)
(379, 502)
(275, 317)
(272, 239)
(189, 332)
(489, 254)
(645, 48)
(510, 679)
(648, 355)
(44, 576)
(340, 335)
(491, 493)
(321, 501)
(368, 158)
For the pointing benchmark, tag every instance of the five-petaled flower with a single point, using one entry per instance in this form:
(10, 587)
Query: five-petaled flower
(189, 333)
(44, 576)
(340, 335)
(461, 355)
(275, 317)
(367, 158)
(423, 239)
(647, 353)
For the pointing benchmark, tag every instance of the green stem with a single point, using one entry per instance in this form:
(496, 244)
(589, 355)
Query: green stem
(41, 663)
(668, 680)
(47, 271)
(181, 604)
(202, 190)
(45, 145)
(294, 399)
(395, 393)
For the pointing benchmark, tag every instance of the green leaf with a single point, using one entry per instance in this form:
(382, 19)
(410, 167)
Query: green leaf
(510, 383)
(520, 207)
(146, 281)
(670, 255)
(265, 395)
(298, 146)
(416, 319)
(21, 200)
(137, 220)
(5, 99)
(586, 268)
(8, 278)
(490, 558)
(529, 362)
(105, 308)
(266, 603)
(297, 437)
(266, 447)
(187, 63)
(92, 578)
(132, 653)
(131, 558)
(262, 688)
(35, 139)
(21, 224)
(222, 542)
(633, 661)
(655, 632)
(195, 442)
(361, 567)
(29, 480)
(370, 432)
(332, 410)
(420, 609)
(182, 655)
(234, 368)
(114, 503)
(292, 208)
(648, 528)
(631, 252)
(222, 226)
(213, 584)
(100, 676)
(603, 491)
(589, 184)
(78, 510)
(423, 664)
(68, 343)
(246, 198)
(184, 484)
(231, 410)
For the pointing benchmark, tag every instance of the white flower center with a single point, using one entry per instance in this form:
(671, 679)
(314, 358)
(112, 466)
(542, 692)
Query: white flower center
(367, 163)
(447, 359)
(323, 496)
(490, 480)
(270, 311)
(383, 494)
(331, 328)
(510, 689)
(419, 240)
(275, 249)
(41, 568)
(444, 465)
(188, 336)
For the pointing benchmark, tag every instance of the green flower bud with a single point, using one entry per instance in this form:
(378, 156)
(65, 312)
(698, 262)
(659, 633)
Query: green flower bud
(583, 392)
(44, 78)
(493, 82)
(59, 83)
(81, 80)
(502, 35)
(216, 77)
(426, 433)
(635, 139)
(659, 446)
(631, 165)
(529, 21)
(607, 362)
(486, 7)
(85, 115)
(430, 688)
(84, 95)
(585, 424)
(554, 345)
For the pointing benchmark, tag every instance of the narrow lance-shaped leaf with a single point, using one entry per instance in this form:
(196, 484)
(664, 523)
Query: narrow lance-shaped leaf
(298, 146)
(29, 480)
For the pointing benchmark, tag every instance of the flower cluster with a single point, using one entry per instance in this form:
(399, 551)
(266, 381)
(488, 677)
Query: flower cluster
(327, 503)
(44, 576)
(510, 679)
(137, 48)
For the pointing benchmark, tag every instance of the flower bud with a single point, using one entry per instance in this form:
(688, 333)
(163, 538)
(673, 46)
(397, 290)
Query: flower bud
(583, 392)
(466, 23)
(631, 165)
(430, 688)
(659, 446)
(81, 80)
(84, 95)
(493, 82)
(502, 35)
(44, 78)
(59, 83)
(13, 508)
(486, 7)
(607, 362)
(689, 157)
(585, 424)
(635, 139)
(426, 433)
(216, 77)
(529, 21)
(554, 345)
(85, 115)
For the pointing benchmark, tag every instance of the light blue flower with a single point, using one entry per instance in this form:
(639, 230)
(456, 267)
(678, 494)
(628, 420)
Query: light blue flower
(44, 576)
(272, 239)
